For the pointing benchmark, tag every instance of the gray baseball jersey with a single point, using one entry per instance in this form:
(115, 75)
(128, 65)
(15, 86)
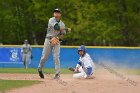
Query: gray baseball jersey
(26, 48)
(51, 32)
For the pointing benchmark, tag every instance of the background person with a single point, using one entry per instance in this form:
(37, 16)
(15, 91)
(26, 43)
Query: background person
(26, 51)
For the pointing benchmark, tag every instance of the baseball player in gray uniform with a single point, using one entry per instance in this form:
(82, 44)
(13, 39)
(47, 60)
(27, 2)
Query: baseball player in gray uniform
(26, 51)
(56, 29)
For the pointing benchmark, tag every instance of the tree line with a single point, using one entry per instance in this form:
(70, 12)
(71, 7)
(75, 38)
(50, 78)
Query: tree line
(93, 22)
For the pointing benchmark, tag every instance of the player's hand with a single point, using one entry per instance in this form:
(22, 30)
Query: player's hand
(71, 69)
(31, 56)
(69, 29)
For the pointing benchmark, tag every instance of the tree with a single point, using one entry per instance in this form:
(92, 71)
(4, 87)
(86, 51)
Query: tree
(93, 22)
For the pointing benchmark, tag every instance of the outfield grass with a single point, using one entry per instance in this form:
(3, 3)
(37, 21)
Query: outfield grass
(10, 84)
(52, 70)
(132, 71)
(32, 70)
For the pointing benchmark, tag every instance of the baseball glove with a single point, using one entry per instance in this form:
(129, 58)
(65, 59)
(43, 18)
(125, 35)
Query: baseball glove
(71, 69)
(54, 41)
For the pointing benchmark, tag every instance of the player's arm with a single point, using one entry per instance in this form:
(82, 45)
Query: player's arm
(79, 64)
(30, 49)
(56, 26)
(76, 69)
(31, 56)
(22, 50)
(61, 29)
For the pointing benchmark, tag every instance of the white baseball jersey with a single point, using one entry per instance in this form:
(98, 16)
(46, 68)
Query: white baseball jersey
(85, 61)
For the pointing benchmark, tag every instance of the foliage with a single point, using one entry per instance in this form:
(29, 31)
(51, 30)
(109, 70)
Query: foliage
(93, 22)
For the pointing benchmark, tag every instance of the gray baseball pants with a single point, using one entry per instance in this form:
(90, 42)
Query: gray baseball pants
(46, 53)
(26, 58)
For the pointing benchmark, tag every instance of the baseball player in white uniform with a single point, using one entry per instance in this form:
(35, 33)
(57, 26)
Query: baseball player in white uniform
(85, 67)
(26, 51)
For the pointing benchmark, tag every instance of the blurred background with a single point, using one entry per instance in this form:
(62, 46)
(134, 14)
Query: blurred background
(93, 22)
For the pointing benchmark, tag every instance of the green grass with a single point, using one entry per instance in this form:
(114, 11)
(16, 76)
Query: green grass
(10, 84)
(132, 71)
(32, 70)
(52, 70)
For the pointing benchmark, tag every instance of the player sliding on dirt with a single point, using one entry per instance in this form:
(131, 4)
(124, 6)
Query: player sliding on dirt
(85, 67)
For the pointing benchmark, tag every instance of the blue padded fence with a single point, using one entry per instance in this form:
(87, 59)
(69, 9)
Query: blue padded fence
(10, 57)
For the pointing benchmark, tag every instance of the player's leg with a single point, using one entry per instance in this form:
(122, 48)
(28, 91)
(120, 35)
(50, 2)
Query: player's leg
(56, 55)
(81, 73)
(89, 72)
(45, 55)
(28, 59)
(24, 59)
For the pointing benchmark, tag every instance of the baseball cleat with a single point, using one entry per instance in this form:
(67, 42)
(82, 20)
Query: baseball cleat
(90, 77)
(57, 76)
(40, 74)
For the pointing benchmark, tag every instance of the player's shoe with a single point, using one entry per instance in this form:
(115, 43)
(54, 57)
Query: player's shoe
(40, 73)
(90, 77)
(57, 76)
